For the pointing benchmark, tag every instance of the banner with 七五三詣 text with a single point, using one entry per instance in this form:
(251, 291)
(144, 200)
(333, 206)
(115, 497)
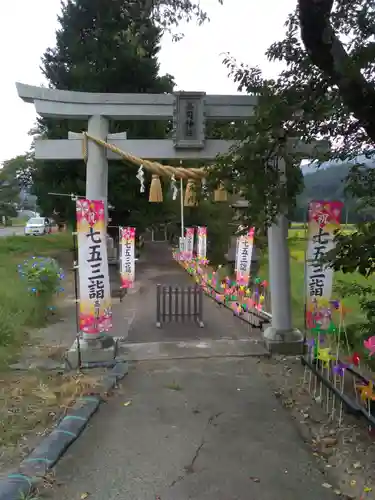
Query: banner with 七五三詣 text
(189, 243)
(127, 269)
(201, 243)
(324, 219)
(243, 257)
(181, 248)
(95, 306)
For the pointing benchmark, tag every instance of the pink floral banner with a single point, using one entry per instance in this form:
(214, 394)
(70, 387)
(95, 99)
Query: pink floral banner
(324, 219)
(189, 243)
(202, 243)
(95, 306)
(127, 269)
(243, 257)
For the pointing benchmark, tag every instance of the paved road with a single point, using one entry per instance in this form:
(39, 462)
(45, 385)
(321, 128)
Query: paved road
(189, 429)
(195, 430)
(11, 231)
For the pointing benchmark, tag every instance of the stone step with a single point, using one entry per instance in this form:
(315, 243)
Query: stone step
(191, 349)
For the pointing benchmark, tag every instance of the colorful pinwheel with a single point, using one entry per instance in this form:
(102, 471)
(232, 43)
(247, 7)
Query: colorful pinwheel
(366, 391)
(340, 368)
(370, 345)
(324, 355)
(355, 359)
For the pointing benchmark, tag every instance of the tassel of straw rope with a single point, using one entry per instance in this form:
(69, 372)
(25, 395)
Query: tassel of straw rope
(220, 194)
(156, 191)
(190, 194)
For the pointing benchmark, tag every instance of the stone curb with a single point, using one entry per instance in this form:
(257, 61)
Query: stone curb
(42, 459)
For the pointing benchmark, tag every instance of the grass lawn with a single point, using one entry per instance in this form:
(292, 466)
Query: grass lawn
(33, 400)
(30, 401)
(18, 309)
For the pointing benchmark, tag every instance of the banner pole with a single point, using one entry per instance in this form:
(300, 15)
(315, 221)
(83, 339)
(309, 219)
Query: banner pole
(306, 224)
(182, 206)
(75, 269)
(120, 261)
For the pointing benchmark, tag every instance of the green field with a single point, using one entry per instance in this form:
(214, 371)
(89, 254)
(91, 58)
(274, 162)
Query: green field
(298, 229)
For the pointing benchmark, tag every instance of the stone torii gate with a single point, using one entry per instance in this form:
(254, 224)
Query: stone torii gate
(189, 112)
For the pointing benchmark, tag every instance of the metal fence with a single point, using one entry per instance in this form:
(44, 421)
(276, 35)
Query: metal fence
(338, 386)
(256, 315)
(179, 304)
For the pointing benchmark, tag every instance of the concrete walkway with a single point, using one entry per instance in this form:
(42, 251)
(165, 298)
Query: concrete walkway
(196, 429)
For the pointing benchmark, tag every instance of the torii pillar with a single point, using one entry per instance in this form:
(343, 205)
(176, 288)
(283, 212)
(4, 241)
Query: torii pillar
(281, 337)
(97, 162)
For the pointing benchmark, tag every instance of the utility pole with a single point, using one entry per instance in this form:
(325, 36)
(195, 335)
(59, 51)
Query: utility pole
(346, 208)
(346, 216)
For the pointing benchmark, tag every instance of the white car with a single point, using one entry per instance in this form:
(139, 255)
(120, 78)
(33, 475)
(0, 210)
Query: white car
(37, 225)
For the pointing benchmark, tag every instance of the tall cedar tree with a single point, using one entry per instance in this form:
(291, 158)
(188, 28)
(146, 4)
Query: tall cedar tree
(101, 46)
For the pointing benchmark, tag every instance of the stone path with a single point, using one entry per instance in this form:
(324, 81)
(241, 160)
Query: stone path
(179, 429)
(156, 267)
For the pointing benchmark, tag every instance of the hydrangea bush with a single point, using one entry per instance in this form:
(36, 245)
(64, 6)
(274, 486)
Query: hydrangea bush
(42, 277)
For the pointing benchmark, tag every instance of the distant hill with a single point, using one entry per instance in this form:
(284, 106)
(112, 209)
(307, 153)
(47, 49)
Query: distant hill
(310, 168)
(326, 184)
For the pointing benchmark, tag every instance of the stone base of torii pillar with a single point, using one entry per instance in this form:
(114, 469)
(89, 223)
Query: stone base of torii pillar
(288, 342)
(100, 351)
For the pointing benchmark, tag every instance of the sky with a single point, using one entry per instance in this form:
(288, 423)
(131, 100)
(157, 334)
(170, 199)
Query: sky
(244, 28)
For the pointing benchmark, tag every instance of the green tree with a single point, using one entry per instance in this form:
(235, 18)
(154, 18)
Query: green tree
(10, 185)
(168, 14)
(305, 101)
(19, 169)
(326, 91)
(347, 66)
(107, 47)
(100, 47)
